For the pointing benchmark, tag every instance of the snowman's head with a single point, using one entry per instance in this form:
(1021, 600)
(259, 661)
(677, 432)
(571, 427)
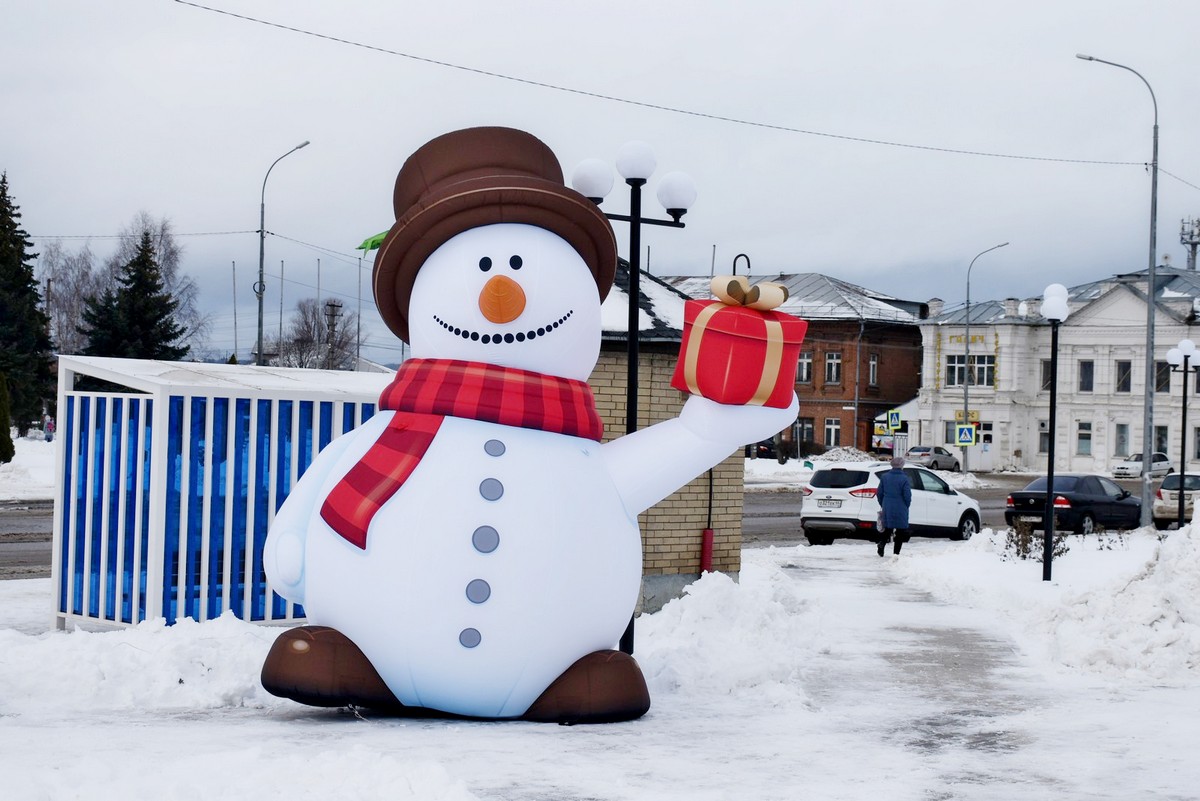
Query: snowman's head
(508, 294)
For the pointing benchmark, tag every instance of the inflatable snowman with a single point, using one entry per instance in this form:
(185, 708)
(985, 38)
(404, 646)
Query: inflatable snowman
(473, 549)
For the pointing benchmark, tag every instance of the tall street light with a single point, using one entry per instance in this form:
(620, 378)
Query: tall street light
(593, 179)
(967, 352)
(260, 287)
(1148, 403)
(1054, 309)
(1178, 357)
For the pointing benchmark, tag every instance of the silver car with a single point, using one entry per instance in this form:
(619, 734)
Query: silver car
(1165, 509)
(934, 457)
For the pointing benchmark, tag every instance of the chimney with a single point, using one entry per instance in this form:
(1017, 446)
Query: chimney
(935, 306)
(1010, 307)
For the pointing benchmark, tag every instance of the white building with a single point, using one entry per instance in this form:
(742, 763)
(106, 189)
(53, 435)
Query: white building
(1101, 376)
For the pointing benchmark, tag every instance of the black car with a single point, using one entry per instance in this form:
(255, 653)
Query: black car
(1082, 503)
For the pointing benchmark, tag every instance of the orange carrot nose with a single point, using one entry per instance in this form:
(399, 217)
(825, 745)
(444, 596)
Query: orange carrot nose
(502, 299)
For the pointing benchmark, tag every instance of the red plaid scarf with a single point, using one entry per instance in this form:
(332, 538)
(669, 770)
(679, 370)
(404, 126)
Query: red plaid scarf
(425, 391)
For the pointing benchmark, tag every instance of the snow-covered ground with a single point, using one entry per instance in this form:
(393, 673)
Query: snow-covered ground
(952, 672)
(30, 475)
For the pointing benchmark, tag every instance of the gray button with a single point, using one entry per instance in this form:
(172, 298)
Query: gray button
(491, 489)
(469, 638)
(478, 591)
(485, 539)
(493, 447)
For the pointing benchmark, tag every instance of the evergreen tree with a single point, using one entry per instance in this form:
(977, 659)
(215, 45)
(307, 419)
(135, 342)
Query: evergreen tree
(7, 450)
(25, 347)
(135, 320)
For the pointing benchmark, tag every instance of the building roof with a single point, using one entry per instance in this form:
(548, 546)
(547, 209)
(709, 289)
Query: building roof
(1177, 293)
(660, 318)
(812, 296)
(150, 375)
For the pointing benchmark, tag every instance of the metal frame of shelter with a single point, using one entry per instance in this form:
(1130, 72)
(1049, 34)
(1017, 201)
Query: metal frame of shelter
(167, 484)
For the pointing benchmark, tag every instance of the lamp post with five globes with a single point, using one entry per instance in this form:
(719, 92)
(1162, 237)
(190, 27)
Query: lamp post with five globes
(1054, 309)
(593, 179)
(1179, 357)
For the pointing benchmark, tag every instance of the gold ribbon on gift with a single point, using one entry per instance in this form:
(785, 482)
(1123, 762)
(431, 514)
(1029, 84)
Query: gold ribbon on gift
(735, 290)
(763, 297)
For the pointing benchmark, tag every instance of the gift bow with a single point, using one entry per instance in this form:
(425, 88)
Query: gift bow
(735, 290)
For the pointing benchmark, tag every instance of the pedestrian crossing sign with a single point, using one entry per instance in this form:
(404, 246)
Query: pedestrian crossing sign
(894, 419)
(966, 434)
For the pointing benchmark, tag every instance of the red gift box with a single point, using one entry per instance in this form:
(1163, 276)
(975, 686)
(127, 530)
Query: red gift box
(738, 355)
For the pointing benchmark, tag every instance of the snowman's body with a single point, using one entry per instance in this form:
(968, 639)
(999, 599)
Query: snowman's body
(509, 553)
(473, 604)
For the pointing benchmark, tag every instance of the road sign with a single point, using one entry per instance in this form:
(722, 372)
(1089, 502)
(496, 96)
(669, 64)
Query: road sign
(894, 419)
(965, 434)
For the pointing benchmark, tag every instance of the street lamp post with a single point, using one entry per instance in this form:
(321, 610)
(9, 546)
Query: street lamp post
(676, 192)
(967, 351)
(1148, 403)
(1179, 357)
(1054, 309)
(260, 287)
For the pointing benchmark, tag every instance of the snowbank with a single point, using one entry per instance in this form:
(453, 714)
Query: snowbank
(1123, 606)
(30, 475)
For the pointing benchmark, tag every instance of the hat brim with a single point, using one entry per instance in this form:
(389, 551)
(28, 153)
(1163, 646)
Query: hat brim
(468, 204)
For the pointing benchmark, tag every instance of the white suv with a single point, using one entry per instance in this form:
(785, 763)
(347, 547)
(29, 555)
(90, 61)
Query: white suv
(839, 501)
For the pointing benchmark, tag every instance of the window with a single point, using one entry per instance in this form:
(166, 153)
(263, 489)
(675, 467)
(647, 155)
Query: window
(1087, 371)
(1121, 440)
(833, 368)
(1196, 443)
(983, 371)
(873, 370)
(1160, 438)
(1043, 436)
(1124, 377)
(1083, 439)
(804, 368)
(1162, 377)
(833, 431)
(951, 437)
(1045, 375)
(806, 430)
(955, 370)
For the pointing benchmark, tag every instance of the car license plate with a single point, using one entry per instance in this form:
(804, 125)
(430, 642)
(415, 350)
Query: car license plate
(1030, 518)
(826, 503)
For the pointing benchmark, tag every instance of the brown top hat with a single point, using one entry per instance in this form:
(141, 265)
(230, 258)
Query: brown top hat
(480, 176)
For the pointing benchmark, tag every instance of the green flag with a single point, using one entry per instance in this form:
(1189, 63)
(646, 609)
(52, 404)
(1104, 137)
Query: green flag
(372, 242)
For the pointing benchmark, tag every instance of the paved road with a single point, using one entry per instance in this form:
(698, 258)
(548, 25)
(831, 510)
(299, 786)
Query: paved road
(25, 538)
(770, 518)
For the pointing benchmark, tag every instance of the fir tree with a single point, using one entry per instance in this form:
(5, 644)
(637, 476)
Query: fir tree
(25, 347)
(136, 320)
(7, 450)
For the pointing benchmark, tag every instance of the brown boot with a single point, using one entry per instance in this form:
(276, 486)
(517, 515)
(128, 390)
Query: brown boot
(602, 687)
(320, 666)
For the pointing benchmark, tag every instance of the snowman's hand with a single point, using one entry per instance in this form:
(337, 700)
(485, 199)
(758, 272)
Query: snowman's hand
(283, 561)
(735, 425)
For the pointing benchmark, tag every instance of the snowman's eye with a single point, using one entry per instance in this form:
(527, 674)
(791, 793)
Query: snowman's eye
(485, 264)
(515, 262)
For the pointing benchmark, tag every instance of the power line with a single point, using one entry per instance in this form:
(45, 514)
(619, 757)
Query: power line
(122, 236)
(643, 104)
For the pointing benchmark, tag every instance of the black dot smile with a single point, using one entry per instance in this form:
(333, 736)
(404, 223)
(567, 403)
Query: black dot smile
(495, 338)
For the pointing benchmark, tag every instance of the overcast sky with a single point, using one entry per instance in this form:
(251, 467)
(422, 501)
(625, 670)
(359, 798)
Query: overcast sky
(111, 108)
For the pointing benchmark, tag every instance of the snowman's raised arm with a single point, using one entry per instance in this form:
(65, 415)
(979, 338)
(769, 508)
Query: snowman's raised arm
(650, 464)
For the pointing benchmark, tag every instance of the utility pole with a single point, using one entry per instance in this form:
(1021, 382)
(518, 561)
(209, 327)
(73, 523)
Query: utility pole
(1189, 237)
(333, 310)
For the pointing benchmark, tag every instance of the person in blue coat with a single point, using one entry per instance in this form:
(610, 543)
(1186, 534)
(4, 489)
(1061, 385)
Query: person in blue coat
(894, 496)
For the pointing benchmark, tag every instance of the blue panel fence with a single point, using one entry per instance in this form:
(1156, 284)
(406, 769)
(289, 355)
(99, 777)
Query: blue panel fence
(172, 522)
